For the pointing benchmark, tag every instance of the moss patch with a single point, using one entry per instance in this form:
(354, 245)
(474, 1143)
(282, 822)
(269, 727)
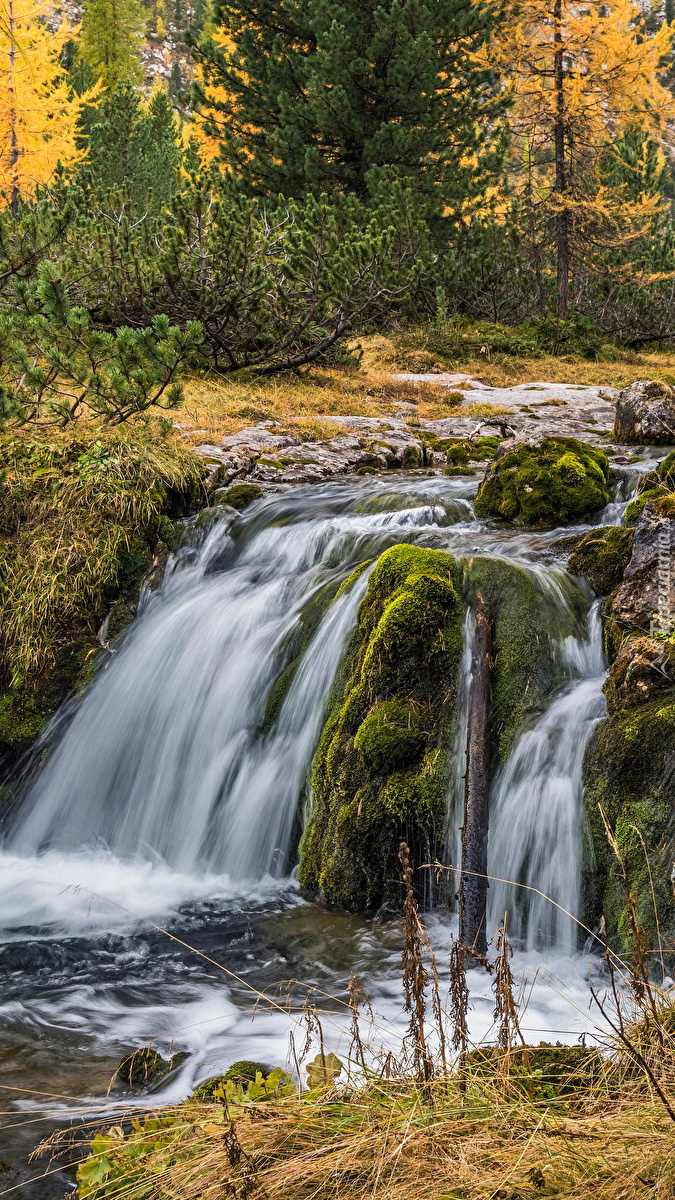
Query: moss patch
(83, 518)
(380, 773)
(524, 621)
(602, 557)
(240, 495)
(629, 770)
(557, 481)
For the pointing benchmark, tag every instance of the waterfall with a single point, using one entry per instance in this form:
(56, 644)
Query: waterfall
(166, 757)
(535, 830)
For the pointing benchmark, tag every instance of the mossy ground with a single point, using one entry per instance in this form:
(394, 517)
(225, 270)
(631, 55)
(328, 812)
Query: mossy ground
(83, 517)
(380, 772)
(559, 480)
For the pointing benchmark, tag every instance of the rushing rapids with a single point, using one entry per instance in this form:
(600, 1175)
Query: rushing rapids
(172, 793)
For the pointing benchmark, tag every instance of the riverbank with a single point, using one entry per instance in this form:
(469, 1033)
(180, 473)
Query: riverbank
(363, 383)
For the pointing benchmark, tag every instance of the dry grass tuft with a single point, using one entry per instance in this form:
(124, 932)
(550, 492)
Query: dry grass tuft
(75, 509)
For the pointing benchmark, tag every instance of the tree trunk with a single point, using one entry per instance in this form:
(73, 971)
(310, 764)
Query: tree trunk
(13, 139)
(562, 217)
(473, 883)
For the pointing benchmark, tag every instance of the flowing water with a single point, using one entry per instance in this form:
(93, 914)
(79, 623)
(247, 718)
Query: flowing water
(166, 810)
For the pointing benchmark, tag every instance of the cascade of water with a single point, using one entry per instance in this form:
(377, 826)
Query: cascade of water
(166, 757)
(535, 830)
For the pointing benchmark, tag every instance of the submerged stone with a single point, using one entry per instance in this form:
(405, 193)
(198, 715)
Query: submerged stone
(381, 770)
(558, 480)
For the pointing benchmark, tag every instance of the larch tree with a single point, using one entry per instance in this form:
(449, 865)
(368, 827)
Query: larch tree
(581, 74)
(112, 34)
(38, 112)
(348, 95)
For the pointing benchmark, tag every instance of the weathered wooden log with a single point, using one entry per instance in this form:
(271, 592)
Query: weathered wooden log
(473, 882)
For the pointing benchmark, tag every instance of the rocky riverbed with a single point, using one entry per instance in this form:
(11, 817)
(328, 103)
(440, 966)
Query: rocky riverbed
(264, 454)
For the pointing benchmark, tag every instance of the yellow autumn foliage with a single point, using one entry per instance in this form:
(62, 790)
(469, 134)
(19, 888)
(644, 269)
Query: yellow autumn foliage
(38, 113)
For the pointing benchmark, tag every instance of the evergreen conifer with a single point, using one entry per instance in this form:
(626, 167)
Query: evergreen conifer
(348, 95)
(112, 32)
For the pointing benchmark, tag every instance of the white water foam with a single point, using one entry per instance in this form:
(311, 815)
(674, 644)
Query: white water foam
(536, 826)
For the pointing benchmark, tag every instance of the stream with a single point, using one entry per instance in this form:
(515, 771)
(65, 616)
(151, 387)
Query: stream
(155, 847)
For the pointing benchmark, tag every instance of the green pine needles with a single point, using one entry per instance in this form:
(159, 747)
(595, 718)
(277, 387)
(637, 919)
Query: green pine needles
(349, 95)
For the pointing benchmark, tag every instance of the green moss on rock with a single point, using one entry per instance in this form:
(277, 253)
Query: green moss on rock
(602, 557)
(634, 509)
(242, 1072)
(526, 622)
(84, 517)
(380, 772)
(240, 495)
(390, 736)
(629, 773)
(559, 480)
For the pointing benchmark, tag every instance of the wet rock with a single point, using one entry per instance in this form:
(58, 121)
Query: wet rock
(146, 1067)
(647, 594)
(602, 556)
(643, 667)
(645, 412)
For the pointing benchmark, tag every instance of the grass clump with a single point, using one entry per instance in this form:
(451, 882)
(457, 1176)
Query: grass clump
(559, 480)
(83, 517)
(380, 772)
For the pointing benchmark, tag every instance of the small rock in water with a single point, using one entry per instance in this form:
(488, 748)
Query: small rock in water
(145, 1067)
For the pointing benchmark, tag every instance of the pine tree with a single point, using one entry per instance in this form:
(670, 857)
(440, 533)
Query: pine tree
(112, 32)
(133, 148)
(349, 94)
(38, 112)
(581, 74)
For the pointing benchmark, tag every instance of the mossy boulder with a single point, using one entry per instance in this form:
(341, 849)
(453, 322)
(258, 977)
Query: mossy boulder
(602, 557)
(239, 495)
(381, 770)
(557, 481)
(526, 623)
(629, 776)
